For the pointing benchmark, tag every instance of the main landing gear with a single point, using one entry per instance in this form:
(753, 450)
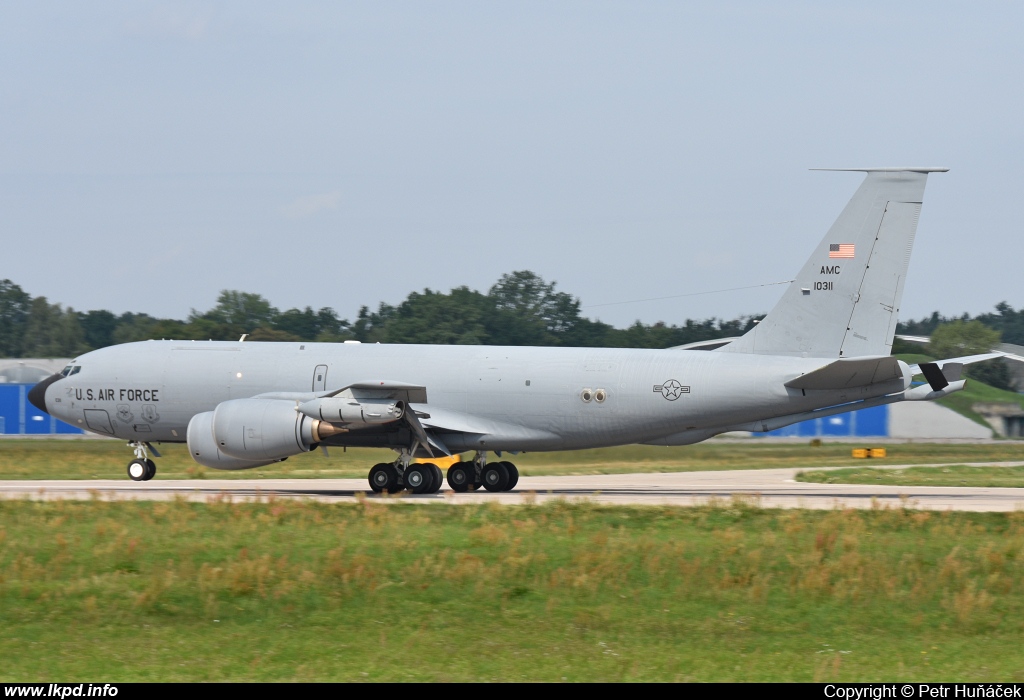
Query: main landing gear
(417, 478)
(494, 476)
(142, 468)
(402, 475)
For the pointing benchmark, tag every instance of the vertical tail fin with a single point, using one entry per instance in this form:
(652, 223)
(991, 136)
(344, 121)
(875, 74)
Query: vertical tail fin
(845, 301)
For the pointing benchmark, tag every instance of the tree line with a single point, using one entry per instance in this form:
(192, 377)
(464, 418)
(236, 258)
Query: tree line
(521, 308)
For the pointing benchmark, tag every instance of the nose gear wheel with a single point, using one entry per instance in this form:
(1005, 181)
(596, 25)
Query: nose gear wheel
(141, 469)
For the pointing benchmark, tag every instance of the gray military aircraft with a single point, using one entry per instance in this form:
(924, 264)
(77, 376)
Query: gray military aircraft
(824, 349)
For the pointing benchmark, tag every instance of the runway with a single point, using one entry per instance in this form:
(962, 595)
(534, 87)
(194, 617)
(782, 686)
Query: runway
(770, 488)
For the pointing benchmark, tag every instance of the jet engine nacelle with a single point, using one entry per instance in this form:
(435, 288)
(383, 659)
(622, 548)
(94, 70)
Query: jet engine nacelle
(353, 412)
(262, 429)
(202, 445)
(246, 433)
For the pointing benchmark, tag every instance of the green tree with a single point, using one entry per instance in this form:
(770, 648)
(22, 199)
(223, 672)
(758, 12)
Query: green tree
(434, 317)
(98, 328)
(50, 331)
(323, 325)
(200, 328)
(1007, 321)
(272, 335)
(961, 338)
(14, 310)
(530, 312)
(133, 327)
(242, 311)
(372, 327)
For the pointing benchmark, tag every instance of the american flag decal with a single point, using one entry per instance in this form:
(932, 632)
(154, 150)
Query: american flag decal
(840, 250)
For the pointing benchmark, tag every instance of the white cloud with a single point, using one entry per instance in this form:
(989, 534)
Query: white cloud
(311, 204)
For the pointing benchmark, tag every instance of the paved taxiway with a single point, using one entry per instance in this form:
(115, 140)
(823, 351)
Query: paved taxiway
(771, 488)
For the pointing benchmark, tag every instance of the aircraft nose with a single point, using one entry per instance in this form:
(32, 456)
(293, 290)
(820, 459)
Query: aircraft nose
(37, 394)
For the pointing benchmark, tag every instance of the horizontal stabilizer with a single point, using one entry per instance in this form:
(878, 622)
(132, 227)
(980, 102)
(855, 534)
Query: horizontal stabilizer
(847, 373)
(941, 373)
(967, 360)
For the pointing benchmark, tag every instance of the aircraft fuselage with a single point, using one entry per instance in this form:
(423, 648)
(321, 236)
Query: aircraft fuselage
(529, 398)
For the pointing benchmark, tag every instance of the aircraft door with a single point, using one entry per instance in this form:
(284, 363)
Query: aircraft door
(99, 420)
(320, 378)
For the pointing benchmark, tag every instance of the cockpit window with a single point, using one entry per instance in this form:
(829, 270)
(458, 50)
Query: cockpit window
(77, 369)
(66, 371)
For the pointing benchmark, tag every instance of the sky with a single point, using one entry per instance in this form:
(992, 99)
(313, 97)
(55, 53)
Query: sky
(347, 153)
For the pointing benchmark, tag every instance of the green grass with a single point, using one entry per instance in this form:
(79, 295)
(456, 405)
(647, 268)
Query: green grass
(294, 590)
(107, 459)
(952, 475)
(975, 392)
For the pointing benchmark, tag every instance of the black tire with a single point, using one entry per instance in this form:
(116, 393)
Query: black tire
(460, 477)
(397, 485)
(513, 475)
(419, 478)
(150, 470)
(434, 485)
(137, 470)
(379, 478)
(495, 476)
(438, 479)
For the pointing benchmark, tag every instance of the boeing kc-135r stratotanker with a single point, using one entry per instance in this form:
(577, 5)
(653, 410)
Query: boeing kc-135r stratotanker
(824, 349)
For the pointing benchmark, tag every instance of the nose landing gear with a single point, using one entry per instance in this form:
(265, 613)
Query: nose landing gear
(142, 468)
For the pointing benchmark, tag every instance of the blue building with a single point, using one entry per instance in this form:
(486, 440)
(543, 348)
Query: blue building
(19, 417)
(867, 422)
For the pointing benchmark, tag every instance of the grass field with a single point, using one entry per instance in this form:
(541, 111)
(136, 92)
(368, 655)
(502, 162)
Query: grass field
(294, 590)
(106, 459)
(952, 475)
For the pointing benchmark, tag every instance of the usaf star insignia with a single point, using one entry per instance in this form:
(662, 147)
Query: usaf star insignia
(671, 389)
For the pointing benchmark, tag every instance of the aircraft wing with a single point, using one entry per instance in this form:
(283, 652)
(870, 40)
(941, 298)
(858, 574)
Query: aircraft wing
(446, 420)
(382, 389)
(434, 426)
(847, 373)
(373, 389)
